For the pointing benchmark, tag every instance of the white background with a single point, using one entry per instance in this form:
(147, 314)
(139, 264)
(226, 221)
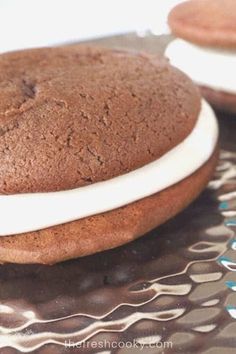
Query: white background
(30, 23)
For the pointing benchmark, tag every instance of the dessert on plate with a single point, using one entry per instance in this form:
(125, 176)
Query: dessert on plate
(97, 147)
(206, 48)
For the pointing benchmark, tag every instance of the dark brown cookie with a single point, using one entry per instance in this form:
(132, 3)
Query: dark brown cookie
(205, 22)
(71, 116)
(107, 230)
(223, 101)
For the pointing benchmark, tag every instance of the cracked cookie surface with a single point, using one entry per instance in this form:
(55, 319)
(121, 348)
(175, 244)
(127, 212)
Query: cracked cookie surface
(72, 116)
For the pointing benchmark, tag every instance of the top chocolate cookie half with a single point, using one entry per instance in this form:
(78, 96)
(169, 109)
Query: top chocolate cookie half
(205, 22)
(71, 116)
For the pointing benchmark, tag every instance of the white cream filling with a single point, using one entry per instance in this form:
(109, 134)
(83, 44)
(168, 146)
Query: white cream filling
(33, 211)
(214, 68)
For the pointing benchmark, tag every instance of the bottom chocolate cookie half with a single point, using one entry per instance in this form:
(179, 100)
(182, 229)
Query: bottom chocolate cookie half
(108, 230)
(223, 101)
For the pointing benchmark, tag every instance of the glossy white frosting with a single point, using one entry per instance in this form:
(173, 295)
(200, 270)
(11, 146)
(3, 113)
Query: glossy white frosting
(214, 68)
(33, 211)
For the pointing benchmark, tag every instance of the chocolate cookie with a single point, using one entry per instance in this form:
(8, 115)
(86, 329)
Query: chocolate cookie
(107, 230)
(207, 29)
(72, 116)
(77, 121)
(222, 101)
(209, 23)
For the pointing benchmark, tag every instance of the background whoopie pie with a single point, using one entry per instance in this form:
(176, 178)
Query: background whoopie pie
(206, 48)
(97, 147)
